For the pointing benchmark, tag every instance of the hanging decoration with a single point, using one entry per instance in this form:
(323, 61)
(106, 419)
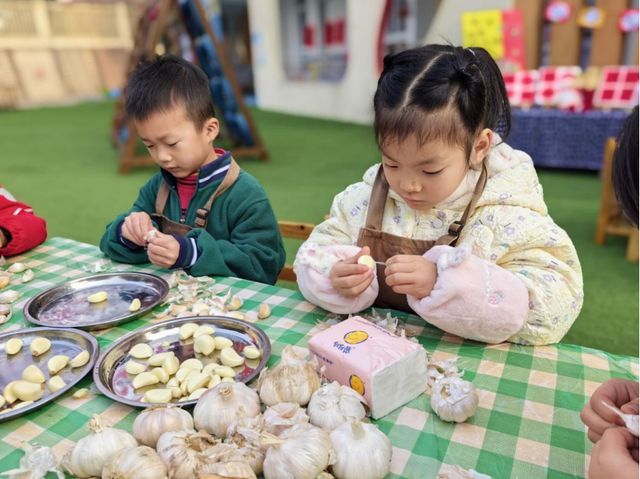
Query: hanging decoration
(628, 20)
(591, 17)
(558, 12)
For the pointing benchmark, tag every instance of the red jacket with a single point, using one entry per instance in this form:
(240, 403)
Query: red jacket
(26, 230)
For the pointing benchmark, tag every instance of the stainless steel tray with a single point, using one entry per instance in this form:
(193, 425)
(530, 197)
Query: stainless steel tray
(66, 305)
(113, 381)
(63, 341)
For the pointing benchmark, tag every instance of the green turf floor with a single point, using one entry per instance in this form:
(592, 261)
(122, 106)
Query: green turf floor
(60, 161)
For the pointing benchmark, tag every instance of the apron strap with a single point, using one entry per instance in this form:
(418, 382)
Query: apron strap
(455, 228)
(161, 197)
(202, 214)
(377, 201)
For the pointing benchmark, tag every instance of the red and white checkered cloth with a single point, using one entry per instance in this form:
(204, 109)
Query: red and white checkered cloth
(617, 88)
(521, 87)
(555, 87)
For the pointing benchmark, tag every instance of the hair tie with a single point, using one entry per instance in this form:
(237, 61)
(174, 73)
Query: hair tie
(472, 52)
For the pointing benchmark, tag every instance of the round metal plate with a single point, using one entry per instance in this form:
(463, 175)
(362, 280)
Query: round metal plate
(69, 342)
(113, 381)
(66, 305)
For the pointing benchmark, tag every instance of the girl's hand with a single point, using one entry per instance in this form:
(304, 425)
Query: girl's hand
(411, 274)
(136, 226)
(613, 455)
(620, 393)
(349, 278)
(163, 250)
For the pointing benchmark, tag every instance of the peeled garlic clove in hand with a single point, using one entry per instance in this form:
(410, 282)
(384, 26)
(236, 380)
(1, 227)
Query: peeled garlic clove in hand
(264, 311)
(367, 260)
(135, 305)
(14, 345)
(229, 357)
(98, 297)
(33, 374)
(56, 363)
(141, 351)
(80, 359)
(630, 420)
(150, 235)
(39, 346)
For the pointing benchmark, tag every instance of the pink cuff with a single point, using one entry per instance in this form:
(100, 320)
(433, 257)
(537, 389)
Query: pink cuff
(473, 298)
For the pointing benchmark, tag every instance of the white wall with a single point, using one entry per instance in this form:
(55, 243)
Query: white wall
(350, 99)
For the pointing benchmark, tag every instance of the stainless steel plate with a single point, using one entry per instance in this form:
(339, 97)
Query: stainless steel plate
(63, 341)
(66, 305)
(113, 381)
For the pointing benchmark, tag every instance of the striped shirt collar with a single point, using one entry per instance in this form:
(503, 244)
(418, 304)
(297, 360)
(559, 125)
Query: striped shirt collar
(209, 173)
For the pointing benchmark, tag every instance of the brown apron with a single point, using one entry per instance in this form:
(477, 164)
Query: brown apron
(385, 245)
(167, 226)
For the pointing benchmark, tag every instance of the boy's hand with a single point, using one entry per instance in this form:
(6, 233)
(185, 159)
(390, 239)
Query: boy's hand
(136, 226)
(163, 250)
(411, 274)
(613, 455)
(349, 278)
(620, 393)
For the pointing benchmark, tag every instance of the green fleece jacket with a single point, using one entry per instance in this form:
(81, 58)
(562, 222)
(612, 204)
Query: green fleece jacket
(242, 238)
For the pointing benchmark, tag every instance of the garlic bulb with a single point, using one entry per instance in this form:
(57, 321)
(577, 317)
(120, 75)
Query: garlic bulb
(333, 404)
(282, 416)
(294, 379)
(361, 451)
(454, 399)
(301, 452)
(232, 470)
(141, 462)
(224, 404)
(246, 435)
(154, 421)
(185, 452)
(93, 452)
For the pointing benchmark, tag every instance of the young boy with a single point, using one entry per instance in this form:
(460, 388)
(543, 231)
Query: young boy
(200, 212)
(20, 228)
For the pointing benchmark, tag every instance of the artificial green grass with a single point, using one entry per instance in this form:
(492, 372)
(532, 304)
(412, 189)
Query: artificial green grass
(60, 161)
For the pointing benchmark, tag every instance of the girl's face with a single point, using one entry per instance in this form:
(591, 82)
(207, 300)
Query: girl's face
(425, 175)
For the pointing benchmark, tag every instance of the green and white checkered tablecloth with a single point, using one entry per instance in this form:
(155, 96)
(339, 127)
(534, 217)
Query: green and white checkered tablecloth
(527, 424)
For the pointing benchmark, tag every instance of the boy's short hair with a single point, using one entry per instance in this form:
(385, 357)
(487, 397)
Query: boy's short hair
(164, 82)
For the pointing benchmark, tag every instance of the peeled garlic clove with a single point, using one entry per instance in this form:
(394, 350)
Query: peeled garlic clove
(182, 373)
(158, 395)
(251, 352)
(228, 380)
(4, 281)
(19, 405)
(235, 315)
(214, 381)
(17, 268)
(9, 296)
(135, 305)
(197, 381)
(222, 342)
(264, 311)
(173, 383)
(170, 364)
(8, 393)
(56, 363)
(39, 346)
(234, 304)
(80, 359)
(200, 309)
(133, 367)
(56, 383)
(161, 374)
(209, 368)
(229, 357)
(2, 402)
(13, 346)
(27, 276)
(141, 351)
(187, 330)
(204, 329)
(367, 260)
(80, 393)
(150, 235)
(27, 391)
(33, 374)
(196, 394)
(204, 344)
(144, 379)
(225, 372)
(98, 297)
(176, 392)
(192, 363)
(156, 359)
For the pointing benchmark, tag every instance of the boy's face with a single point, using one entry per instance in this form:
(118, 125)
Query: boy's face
(174, 142)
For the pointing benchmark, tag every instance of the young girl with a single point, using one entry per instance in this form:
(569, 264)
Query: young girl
(454, 217)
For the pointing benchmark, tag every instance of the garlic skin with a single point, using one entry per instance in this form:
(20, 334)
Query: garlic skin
(141, 462)
(93, 452)
(453, 399)
(153, 422)
(232, 470)
(185, 452)
(224, 404)
(282, 416)
(456, 472)
(362, 451)
(294, 379)
(301, 452)
(334, 404)
(246, 435)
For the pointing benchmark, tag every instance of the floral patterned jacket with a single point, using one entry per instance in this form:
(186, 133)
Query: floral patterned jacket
(514, 274)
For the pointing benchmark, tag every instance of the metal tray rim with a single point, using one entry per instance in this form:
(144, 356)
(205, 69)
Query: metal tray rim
(139, 332)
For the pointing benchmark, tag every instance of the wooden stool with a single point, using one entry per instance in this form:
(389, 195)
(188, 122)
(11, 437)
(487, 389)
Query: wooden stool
(611, 221)
(291, 229)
